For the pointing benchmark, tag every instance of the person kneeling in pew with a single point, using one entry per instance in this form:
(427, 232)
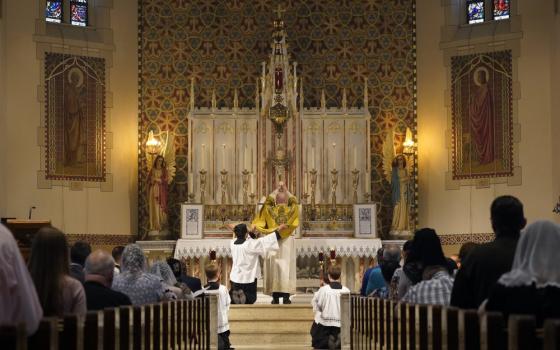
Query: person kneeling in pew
(325, 331)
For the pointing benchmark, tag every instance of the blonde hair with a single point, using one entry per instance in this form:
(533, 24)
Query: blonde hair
(211, 270)
(334, 272)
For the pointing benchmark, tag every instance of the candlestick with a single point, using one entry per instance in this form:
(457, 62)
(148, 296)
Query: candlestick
(202, 173)
(355, 158)
(251, 159)
(191, 182)
(313, 180)
(246, 158)
(313, 158)
(305, 182)
(355, 181)
(252, 183)
(245, 185)
(223, 181)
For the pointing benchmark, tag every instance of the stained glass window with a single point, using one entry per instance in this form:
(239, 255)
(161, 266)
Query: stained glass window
(79, 12)
(53, 11)
(475, 11)
(501, 9)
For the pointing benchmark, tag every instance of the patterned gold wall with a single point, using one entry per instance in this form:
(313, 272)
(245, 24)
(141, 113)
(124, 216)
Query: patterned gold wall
(221, 43)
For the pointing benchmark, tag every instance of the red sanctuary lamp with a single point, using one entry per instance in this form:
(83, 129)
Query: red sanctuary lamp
(212, 255)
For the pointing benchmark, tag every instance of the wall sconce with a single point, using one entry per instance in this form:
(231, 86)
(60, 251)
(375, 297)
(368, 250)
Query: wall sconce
(153, 145)
(408, 144)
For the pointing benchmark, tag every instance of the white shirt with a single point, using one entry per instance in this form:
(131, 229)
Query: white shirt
(245, 256)
(224, 301)
(326, 305)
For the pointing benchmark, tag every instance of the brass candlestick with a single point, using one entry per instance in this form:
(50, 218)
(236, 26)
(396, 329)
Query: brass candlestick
(313, 184)
(245, 184)
(202, 185)
(223, 185)
(355, 182)
(191, 197)
(334, 185)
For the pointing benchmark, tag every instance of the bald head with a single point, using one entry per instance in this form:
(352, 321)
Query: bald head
(100, 266)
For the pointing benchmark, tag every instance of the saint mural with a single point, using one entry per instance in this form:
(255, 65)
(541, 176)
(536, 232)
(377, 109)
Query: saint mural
(74, 118)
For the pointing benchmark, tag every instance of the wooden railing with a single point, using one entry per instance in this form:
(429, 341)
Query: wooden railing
(374, 323)
(177, 325)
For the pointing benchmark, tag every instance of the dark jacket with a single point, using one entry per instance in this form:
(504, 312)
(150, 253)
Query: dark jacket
(481, 270)
(99, 297)
(192, 282)
(543, 303)
(77, 272)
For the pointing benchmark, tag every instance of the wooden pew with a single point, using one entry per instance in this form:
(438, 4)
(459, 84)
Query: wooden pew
(402, 326)
(522, 332)
(148, 327)
(13, 337)
(137, 327)
(421, 329)
(492, 334)
(551, 339)
(435, 327)
(165, 325)
(411, 340)
(469, 330)
(450, 328)
(72, 334)
(111, 329)
(93, 330)
(46, 336)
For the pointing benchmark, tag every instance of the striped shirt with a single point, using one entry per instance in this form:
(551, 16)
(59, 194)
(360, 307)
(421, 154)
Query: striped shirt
(435, 291)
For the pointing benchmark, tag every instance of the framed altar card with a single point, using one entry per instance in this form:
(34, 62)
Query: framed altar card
(365, 218)
(191, 221)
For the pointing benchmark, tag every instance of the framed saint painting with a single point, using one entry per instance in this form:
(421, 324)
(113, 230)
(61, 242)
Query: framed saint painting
(365, 218)
(191, 221)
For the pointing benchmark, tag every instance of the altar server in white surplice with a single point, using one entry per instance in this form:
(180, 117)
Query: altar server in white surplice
(215, 288)
(246, 268)
(325, 331)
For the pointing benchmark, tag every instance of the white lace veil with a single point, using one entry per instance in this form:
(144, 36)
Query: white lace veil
(164, 272)
(536, 257)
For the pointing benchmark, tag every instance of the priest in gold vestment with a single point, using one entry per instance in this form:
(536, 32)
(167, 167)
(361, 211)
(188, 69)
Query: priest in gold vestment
(280, 212)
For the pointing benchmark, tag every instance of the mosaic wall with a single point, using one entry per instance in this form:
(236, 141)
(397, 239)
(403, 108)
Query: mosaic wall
(221, 43)
(75, 117)
(481, 93)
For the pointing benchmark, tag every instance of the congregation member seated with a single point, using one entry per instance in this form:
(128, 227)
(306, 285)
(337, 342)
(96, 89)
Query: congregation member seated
(213, 287)
(325, 331)
(78, 254)
(18, 298)
(390, 263)
(436, 285)
(400, 281)
(59, 294)
(373, 278)
(139, 286)
(99, 271)
(465, 250)
(532, 287)
(487, 262)
(117, 256)
(181, 275)
(172, 289)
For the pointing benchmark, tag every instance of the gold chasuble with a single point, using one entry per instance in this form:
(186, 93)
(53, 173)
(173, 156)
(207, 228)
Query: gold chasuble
(279, 266)
(273, 215)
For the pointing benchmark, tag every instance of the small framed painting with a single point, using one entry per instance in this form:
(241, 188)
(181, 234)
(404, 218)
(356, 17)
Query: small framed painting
(365, 218)
(191, 221)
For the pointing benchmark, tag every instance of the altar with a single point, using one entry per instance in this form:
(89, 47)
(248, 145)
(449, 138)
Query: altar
(353, 255)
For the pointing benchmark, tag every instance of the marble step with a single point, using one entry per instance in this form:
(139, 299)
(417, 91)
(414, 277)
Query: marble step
(270, 312)
(277, 340)
(272, 326)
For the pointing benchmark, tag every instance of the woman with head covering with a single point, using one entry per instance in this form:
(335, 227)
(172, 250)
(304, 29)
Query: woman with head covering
(59, 294)
(139, 286)
(533, 285)
(172, 289)
(18, 298)
(436, 285)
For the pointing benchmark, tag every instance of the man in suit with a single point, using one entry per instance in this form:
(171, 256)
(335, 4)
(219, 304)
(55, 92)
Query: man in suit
(192, 282)
(99, 271)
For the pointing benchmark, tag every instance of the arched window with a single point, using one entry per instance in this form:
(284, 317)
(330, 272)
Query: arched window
(74, 12)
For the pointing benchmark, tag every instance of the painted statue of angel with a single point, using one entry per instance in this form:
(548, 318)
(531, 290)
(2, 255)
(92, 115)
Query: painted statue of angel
(397, 174)
(160, 174)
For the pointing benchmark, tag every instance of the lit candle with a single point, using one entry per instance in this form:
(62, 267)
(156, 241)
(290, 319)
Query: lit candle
(251, 159)
(252, 190)
(224, 156)
(334, 155)
(191, 183)
(246, 158)
(355, 157)
(305, 182)
(313, 158)
(203, 160)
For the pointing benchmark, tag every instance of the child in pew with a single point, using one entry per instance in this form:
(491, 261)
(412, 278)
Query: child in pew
(325, 331)
(213, 287)
(245, 252)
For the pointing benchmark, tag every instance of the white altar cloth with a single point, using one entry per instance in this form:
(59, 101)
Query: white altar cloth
(344, 247)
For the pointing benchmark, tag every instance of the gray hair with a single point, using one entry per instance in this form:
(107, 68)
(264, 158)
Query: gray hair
(392, 252)
(99, 263)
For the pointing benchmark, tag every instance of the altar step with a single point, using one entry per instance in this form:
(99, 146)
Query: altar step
(270, 326)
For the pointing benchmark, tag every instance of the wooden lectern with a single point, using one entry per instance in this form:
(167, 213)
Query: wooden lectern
(24, 231)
